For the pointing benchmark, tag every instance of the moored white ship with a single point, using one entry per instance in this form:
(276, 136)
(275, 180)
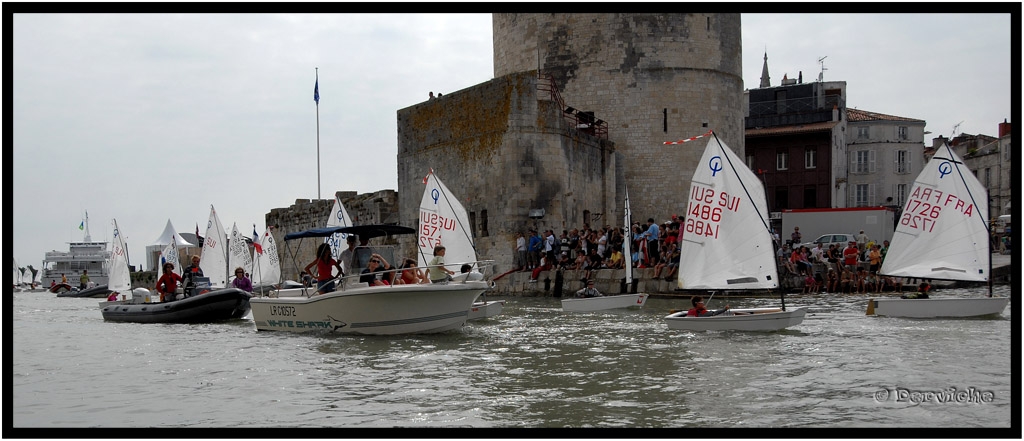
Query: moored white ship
(81, 256)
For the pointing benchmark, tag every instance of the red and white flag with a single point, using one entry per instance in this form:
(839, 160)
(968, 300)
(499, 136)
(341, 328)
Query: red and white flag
(687, 139)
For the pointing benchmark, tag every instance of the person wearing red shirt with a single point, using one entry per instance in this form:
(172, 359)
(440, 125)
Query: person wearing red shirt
(699, 310)
(324, 262)
(850, 254)
(168, 283)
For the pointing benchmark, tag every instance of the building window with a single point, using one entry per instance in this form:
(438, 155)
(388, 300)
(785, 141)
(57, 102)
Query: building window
(810, 160)
(782, 161)
(810, 197)
(862, 133)
(902, 162)
(901, 132)
(862, 195)
(781, 198)
(472, 223)
(864, 161)
(901, 194)
(483, 223)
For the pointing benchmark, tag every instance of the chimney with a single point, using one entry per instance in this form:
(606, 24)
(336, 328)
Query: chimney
(1004, 128)
(800, 78)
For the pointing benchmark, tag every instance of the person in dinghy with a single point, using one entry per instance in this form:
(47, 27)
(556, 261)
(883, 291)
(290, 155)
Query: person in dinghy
(589, 291)
(699, 310)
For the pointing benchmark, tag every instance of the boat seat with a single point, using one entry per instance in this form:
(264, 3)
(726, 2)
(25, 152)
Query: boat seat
(354, 285)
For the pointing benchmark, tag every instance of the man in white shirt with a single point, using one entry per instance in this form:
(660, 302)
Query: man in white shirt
(347, 256)
(817, 253)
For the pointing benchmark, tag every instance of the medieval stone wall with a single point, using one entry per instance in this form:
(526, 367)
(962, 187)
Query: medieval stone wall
(653, 77)
(503, 148)
(367, 208)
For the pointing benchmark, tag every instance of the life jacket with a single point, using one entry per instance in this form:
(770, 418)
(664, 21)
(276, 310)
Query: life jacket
(693, 312)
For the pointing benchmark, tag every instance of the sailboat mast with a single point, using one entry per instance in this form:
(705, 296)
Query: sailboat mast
(628, 256)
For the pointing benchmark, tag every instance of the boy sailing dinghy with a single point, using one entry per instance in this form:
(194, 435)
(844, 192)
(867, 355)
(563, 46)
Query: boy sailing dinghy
(942, 234)
(726, 244)
(443, 221)
(617, 301)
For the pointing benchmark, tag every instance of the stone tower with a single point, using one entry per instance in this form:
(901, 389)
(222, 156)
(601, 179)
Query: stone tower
(651, 77)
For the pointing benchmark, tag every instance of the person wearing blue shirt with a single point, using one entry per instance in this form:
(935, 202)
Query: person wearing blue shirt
(534, 249)
(652, 241)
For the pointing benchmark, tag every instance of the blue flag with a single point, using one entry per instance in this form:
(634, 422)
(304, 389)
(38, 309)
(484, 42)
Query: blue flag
(81, 226)
(316, 91)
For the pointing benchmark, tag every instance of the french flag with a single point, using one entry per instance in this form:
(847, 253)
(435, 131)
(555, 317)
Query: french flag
(256, 241)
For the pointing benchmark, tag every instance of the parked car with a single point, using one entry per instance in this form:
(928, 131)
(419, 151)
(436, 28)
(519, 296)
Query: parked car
(840, 239)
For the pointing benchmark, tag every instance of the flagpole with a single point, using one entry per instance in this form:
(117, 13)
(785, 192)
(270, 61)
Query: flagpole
(316, 98)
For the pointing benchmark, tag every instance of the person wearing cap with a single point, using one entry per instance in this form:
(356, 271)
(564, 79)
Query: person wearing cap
(589, 291)
(168, 283)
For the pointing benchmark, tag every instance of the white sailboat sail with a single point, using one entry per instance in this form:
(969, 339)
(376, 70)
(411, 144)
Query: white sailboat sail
(266, 269)
(627, 235)
(726, 242)
(238, 252)
(214, 260)
(120, 279)
(443, 221)
(169, 254)
(943, 231)
(339, 218)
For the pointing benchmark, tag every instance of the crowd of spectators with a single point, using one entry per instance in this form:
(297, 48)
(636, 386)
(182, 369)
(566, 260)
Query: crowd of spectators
(834, 269)
(652, 245)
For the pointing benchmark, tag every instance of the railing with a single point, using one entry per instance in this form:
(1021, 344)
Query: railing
(580, 120)
(352, 281)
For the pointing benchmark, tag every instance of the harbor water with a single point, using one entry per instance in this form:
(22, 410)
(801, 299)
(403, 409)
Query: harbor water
(530, 367)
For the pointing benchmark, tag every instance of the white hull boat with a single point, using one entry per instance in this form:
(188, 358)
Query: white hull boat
(726, 244)
(604, 303)
(444, 220)
(485, 309)
(378, 310)
(942, 307)
(749, 319)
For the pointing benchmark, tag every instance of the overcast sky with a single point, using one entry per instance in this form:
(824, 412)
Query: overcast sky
(146, 118)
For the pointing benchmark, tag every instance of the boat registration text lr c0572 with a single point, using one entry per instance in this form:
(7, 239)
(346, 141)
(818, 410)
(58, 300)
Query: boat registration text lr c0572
(284, 311)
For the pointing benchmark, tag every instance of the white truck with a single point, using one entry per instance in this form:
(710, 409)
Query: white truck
(877, 222)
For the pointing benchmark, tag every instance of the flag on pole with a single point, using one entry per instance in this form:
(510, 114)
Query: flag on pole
(316, 91)
(256, 241)
(81, 226)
